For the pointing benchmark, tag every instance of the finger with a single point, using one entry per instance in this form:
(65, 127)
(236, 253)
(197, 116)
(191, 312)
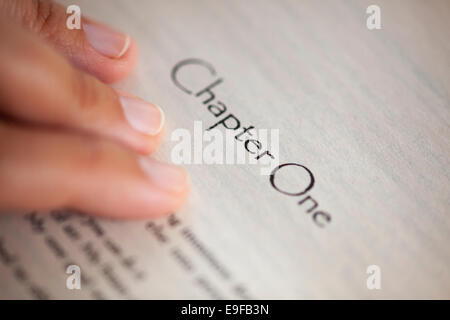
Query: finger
(95, 48)
(45, 170)
(40, 86)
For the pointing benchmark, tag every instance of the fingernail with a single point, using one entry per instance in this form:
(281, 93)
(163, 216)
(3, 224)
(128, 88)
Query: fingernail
(143, 116)
(105, 40)
(166, 176)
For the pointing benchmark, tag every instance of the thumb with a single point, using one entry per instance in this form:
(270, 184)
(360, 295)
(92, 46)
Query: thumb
(96, 48)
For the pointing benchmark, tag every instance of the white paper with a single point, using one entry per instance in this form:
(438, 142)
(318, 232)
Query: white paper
(366, 111)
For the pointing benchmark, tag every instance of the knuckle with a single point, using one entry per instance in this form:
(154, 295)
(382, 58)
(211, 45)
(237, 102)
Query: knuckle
(91, 97)
(39, 16)
(43, 16)
(100, 155)
(95, 155)
(86, 93)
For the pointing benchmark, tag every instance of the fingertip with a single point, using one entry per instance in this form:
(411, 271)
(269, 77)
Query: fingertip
(97, 48)
(146, 121)
(105, 68)
(149, 144)
(147, 201)
(173, 200)
(121, 67)
(172, 203)
(165, 176)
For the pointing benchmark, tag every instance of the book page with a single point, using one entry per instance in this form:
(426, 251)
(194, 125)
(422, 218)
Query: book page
(348, 197)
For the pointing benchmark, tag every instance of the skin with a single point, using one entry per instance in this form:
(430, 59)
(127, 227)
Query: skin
(64, 138)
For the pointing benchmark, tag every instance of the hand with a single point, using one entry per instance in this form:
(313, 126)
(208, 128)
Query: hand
(66, 138)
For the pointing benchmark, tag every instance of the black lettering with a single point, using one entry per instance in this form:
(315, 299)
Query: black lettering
(212, 96)
(220, 107)
(318, 214)
(310, 185)
(254, 142)
(224, 123)
(183, 63)
(309, 198)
